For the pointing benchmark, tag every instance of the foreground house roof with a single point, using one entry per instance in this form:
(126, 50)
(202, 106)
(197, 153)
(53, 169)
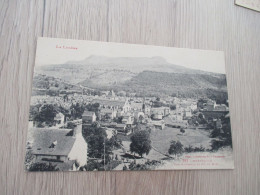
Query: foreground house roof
(52, 141)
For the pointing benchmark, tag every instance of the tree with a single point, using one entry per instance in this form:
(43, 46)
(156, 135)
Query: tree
(114, 142)
(223, 135)
(34, 110)
(119, 119)
(173, 107)
(94, 108)
(46, 114)
(142, 127)
(77, 110)
(29, 157)
(98, 144)
(175, 148)
(201, 119)
(107, 116)
(141, 118)
(141, 142)
(143, 107)
(71, 125)
(189, 149)
(65, 98)
(201, 103)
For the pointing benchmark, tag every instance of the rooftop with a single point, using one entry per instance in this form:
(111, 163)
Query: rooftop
(120, 125)
(44, 138)
(106, 110)
(136, 105)
(88, 113)
(109, 102)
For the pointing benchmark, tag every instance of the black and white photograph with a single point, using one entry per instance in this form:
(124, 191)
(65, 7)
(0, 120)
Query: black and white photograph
(101, 106)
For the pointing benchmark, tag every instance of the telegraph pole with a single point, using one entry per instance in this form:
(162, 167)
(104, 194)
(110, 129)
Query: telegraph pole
(104, 152)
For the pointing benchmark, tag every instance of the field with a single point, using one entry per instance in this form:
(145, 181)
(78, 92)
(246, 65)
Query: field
(161, 140)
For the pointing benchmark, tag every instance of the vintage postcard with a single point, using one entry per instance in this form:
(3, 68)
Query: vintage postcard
(98, 106)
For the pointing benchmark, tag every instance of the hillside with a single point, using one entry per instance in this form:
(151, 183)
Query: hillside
(150, 83)
(144, 76)
(108, 70)
(44, 82)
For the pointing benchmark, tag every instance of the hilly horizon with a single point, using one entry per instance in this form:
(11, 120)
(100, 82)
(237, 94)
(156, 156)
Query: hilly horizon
(92, 66)
(142, 75)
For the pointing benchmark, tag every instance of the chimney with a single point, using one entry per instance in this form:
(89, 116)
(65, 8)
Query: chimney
(53, 144)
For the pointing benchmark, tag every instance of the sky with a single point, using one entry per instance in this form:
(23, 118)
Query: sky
(60, 51)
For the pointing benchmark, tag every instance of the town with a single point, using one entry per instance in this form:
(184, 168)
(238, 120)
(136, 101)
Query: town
(90, 130)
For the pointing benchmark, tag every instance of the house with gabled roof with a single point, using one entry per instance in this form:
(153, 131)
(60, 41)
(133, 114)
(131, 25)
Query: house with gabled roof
(88, 117)
(64, 148)
(124, 106)
(106, 112)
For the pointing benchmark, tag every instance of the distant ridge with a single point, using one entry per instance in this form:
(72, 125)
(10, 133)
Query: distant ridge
(135, 64)
(139, 74)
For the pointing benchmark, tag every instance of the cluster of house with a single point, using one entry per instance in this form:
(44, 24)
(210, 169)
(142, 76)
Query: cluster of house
(213, 112)
(210, 105)
(62, 101)
(67, 149)
(131, 109)
(122, 115)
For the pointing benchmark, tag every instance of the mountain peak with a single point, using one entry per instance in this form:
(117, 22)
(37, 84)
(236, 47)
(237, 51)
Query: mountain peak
(101, 60)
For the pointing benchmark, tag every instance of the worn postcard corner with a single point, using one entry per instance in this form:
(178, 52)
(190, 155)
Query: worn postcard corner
(250, 4)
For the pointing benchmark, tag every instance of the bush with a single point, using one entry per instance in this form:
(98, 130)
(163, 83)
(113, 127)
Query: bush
(190, 149)
(199, 149)
(146, 166)
(71, 125)
(152, 163)
(29, 157)
(223, 136)
(42, 167)
(217, 144)
(93, 165)
(175, 148)
(124, 168)
(112, 164)
(138, 167)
